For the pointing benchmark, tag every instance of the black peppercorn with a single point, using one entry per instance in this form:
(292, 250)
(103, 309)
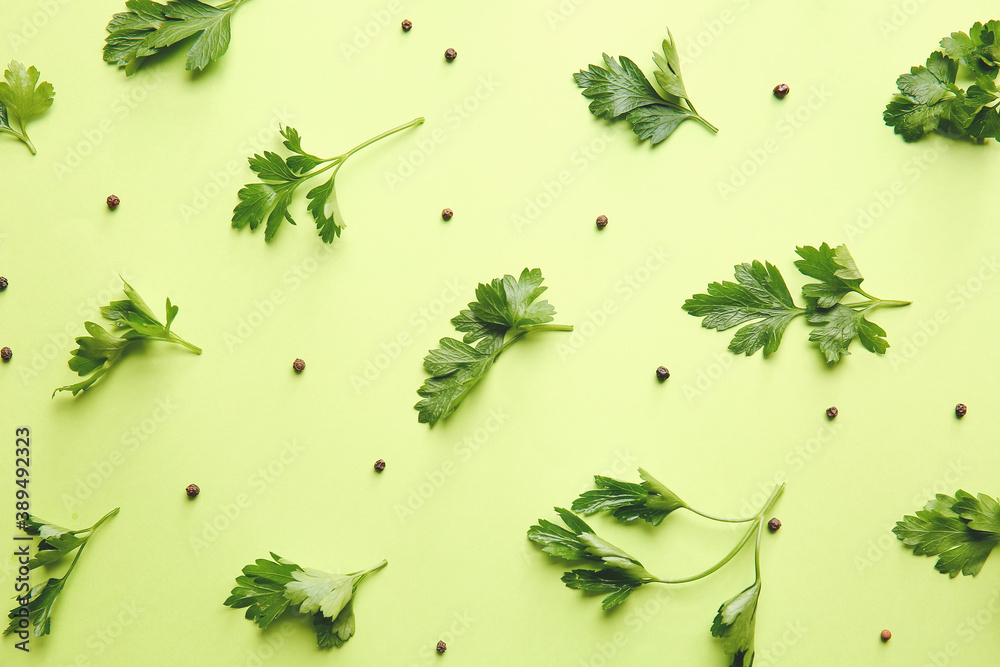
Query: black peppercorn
(602, 221)
(773, 525)
(407, 25)
(3, 283)
(447, 214)
(192, 490)
(6, 354)
(113, 202)
(886, 635)
(450, 54)
(380, 465)
(299, 365)
(960, 410)
(832, 412)
(781, 90)
(662, 373)
(442, 647)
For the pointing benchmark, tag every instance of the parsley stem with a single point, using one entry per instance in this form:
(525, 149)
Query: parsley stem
(521, 331)
(20, 135)
(86, 539)
(415, 121)
(704, 122)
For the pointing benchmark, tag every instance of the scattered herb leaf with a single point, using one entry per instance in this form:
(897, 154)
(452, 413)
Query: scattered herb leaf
(22, 99)
(505, 310)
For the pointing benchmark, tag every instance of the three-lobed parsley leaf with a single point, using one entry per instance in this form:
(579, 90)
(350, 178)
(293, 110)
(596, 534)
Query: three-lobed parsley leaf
(621, 89)
(930, 100)
(280, 177)
(22, 99)
(736, 625)
(270, 587)
(760, 301)
(961, 531)
(504, 311)
(133, 321)
(56, 543)
(150, 27)
(650, 501)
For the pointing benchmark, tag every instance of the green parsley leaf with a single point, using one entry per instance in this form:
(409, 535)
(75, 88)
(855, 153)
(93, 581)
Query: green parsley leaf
(961, 531)
(22, 99)
(270, 199)
(133, 321)
(620, 88)
(149, 27)
(650, 501)
(56, 543)
(505, 310)
(735, 624)
(269, 587)
(979, 50)
(761, 297)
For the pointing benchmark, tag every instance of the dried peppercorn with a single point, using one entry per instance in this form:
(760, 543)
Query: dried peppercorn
(192, 490)
(662, 373)
(450, 54)
(6, 354)
(781, 90)
(299, 365)
(447, 214)
(960, 410)
(3, 283)
(773, 525)
(113, 202)
(832, 412)
(602, 221)
(442, 647)
(380, 465)
(407, 25)
(886, 635)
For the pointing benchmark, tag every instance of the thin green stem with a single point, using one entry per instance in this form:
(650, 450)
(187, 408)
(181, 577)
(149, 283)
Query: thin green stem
(521, 331)
(721, 520)
(103, 519)
(415, 121)
(22, 136)
(704, 122)
(756, 555)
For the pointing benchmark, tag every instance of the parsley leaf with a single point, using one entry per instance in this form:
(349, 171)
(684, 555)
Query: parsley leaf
(761, 297)
(735, 624)
(269, 587)
(961, 531)
(56, 543)
(22, 99)
(270, 199)
(979, 50)
(620, 88)
(505, 310)
(150, 27)
(133, 321)
(650, 501)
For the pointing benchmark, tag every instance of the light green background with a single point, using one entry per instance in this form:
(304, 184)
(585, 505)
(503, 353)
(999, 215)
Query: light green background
(504, 122)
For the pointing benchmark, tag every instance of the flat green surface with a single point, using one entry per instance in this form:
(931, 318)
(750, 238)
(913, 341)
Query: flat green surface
(285, 461)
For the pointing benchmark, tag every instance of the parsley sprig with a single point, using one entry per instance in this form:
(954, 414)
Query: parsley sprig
(268, 588)
(961, 531)
(616, 574)
(280, 177)
(150, 27)
(505, 310)
(22, 99)
(56, 543)
(133, 321)
(761, 298)
(930, 100)
(620, 89)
